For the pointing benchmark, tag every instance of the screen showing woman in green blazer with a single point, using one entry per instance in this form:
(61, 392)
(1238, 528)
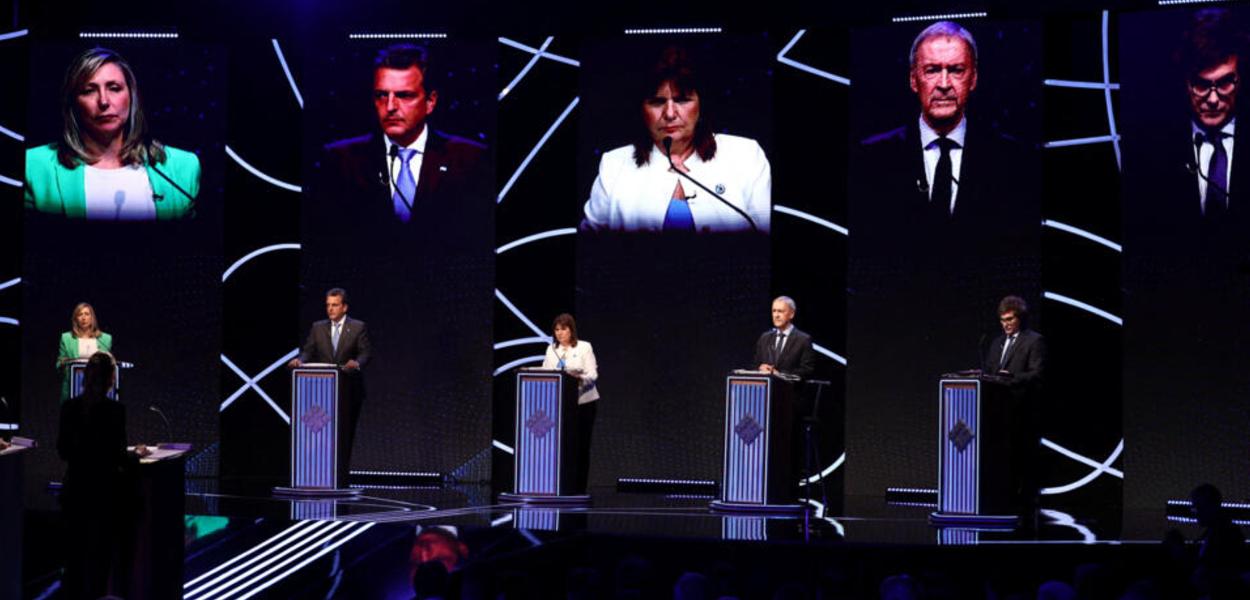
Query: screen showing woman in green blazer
(107, 166)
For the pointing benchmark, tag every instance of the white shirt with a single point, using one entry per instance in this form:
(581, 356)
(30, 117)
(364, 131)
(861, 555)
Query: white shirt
(123, 194)
(87, 347)
(414, 163)
(626, 197)
(1204, 152)
(932, 153)
(786, 332)
(580, 360)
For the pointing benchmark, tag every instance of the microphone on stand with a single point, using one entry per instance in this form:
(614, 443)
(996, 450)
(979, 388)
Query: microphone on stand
(668, 153)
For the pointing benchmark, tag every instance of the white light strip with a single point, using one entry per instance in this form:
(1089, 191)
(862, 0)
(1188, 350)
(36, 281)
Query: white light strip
(1064, 519)
(903, 490)
(257, 172)
(518, 362)
(13, 134)
(1080, 85)
(1175, 2)
(233, 585)
(274, 539)
(397, 473)
(827, 472)
(286, 69)
(1106, 78)
(830, 353)
(1239, 505)
(267, 578)
(10, 321)
(1083, 306)
(532, 50)
(139, 35)
(10, 283)
(8, 426)
(10, 181)
(945, 17)
(1098, 139)
(785, 210)
(529, 157)
(526, 69)
(512, 307)
(502, 446)
(534, 238)
(672, 30)
(785, 60)
(523, 341)
(251, 382)
(533, 540)
(396, 36)
(254, 254)
(292, 533)
(648, 480)
(1082, 233)
(14, 34)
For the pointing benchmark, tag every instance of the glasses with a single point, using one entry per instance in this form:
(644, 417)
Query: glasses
(1201, 87)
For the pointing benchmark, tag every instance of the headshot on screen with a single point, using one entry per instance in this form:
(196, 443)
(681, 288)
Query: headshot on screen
(106, 165)
(679, 174)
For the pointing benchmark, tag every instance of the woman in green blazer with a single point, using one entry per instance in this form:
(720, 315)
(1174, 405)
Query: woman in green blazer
(82, 340)
(105, 165)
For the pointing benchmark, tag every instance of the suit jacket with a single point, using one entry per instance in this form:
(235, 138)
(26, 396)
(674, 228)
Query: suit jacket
(797, 356)
(1025, 360)
(68, 350)
(454, 183)
(92, 440)
(353, 343)
(51, 188)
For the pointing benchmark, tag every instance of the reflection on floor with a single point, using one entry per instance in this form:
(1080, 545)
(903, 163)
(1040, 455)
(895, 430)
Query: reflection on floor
(244, 544)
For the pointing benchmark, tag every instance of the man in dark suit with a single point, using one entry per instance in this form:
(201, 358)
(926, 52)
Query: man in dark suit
(341, 341)
(785, 349)
(1020, 355)
(406, 172)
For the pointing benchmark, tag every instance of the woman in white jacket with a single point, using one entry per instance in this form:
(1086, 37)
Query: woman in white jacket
(576, 357)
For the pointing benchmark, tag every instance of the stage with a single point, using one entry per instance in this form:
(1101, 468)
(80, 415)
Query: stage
(243, 543)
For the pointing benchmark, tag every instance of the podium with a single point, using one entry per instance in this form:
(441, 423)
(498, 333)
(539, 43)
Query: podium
(316, 417)
(758, 473)
(543, 460)
(974, 452)
(159, 540)
(78, 369)
(11, 515)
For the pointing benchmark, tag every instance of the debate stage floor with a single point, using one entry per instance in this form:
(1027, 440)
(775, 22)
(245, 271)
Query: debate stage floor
(246, 543)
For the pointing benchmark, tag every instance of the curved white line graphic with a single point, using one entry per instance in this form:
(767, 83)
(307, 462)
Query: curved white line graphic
(518, 362)
(830, 353)
(534, 238)
(253, 254)
(10, 321)
(1064, 519)
(1097, 139)
(522, 342)
(526, 69)
(827, 472)
(1099, 468)
(502, 446)
(532, 50)
(13, 134)
(783, 59)
(786, 210)
(10, 181)
(13, 34)
(257, 172)
(1082, 85)
(1082, 233)
(534, 152)
(512, 307)
(1094, 310)
(286, 69)
(1106, 92)
(10, 283)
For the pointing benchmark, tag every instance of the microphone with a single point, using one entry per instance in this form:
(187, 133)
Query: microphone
(668, 153)
(160, 197)
(169, 430)
(392, 155)
(1193, 168)
(981, 351)
(119, 200)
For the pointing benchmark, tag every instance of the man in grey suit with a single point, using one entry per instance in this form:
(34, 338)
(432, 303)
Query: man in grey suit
(341, 341)
(785, 349)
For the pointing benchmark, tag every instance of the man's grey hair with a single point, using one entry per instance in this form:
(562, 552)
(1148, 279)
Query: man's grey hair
(943, 29)
(789, 302)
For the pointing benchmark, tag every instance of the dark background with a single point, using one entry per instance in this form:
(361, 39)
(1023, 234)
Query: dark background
(261, 303)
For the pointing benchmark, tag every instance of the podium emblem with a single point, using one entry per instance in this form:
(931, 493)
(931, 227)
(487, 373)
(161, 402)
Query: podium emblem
(539, 424)
(316, 419)
(748, 429)
(961, 435)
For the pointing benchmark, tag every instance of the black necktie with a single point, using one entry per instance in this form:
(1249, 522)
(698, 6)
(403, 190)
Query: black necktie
(1217, 177)
(940, 201)
(781, 339)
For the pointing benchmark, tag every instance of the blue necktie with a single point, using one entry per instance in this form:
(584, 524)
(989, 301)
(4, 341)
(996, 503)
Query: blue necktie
(405, 187)
(334, 336)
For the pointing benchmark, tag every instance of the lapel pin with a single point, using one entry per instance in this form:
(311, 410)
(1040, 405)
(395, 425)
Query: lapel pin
(720, 188)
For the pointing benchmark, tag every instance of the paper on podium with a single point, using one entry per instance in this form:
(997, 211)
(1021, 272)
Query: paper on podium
(162, 452)
(320, 365)
(18, 444)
